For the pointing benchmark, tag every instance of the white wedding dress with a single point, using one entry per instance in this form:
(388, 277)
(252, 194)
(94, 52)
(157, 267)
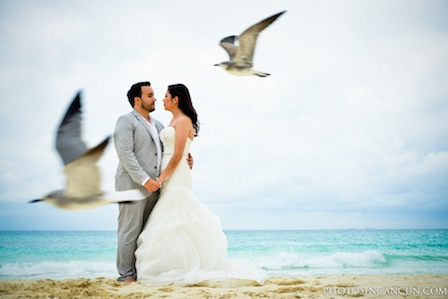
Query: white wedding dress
(183, 243)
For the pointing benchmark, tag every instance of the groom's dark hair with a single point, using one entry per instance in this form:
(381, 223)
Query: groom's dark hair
(136, 91)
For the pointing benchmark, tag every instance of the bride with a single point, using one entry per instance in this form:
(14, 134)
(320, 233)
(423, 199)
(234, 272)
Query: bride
(183, 243)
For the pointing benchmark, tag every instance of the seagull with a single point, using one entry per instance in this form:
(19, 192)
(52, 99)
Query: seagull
(83, 189)
(241, 55)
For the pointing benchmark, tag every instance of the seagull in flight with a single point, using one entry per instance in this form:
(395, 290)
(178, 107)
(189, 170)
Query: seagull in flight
(241, 49)
(83, 190)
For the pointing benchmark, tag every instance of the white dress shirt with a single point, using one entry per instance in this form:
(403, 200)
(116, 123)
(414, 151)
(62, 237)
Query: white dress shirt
(155, 136)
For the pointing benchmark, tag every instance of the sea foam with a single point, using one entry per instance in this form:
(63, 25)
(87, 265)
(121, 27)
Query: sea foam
(287, 260)
(57, 270)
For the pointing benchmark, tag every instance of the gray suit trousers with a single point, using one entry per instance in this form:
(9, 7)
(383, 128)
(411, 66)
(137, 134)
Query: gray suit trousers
(131, 221)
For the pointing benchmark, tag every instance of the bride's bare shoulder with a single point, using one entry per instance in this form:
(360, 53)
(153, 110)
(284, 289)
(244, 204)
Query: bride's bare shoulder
(184, 120)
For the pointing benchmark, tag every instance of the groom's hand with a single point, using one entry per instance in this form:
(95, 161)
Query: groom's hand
(190, 160)
(152, 185)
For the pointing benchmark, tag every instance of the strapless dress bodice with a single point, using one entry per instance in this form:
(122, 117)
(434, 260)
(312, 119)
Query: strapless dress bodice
(168, 138)
(182, 175)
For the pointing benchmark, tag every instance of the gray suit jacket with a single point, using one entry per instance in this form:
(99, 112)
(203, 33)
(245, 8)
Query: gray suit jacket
(137, 152)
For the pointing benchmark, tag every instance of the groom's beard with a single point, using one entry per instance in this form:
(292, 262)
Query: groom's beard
(149, 107)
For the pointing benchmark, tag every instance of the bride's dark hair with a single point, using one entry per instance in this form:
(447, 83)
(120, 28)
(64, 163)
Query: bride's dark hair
(185, 104)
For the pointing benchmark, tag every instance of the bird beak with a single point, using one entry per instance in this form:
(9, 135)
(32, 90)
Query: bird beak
(216, 65)
(35, 200)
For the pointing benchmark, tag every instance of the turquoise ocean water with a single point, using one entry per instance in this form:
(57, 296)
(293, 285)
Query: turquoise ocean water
(73, 254)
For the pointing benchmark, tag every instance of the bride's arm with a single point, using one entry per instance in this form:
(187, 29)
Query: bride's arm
(183, 126)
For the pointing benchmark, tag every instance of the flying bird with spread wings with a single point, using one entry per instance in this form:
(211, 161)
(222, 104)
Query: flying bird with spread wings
(83, 190)
(241, 49)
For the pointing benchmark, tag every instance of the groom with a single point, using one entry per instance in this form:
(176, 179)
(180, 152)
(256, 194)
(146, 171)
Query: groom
(139, 152)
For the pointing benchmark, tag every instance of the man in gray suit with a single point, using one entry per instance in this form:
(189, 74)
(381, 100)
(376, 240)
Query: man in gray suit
(139, 151)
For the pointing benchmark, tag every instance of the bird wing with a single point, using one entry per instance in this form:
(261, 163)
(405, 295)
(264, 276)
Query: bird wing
(228, 43)
(92, 202)
(83, 174)
(248, 39)
(68, 139)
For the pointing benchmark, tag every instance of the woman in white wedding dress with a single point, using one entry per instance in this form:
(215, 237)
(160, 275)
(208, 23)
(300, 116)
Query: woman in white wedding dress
(183, 243)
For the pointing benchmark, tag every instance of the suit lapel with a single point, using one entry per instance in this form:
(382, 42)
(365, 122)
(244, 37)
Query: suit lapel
(145, 124)
(159, 126)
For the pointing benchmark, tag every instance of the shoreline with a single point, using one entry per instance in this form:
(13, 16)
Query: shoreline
(329, 286)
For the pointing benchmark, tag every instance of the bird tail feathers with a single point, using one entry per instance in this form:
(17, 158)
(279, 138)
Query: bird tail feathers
(124, 196)
(261, 74)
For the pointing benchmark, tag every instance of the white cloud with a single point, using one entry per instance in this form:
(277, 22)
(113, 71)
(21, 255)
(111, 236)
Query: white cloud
(351, 126)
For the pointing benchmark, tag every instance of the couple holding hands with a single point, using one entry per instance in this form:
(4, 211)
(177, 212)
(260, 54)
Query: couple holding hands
(169, 238)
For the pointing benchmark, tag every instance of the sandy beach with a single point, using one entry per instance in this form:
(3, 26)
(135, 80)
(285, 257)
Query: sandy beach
(341, 286)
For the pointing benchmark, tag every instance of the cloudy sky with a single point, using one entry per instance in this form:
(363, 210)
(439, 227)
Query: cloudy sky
(350, 131)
